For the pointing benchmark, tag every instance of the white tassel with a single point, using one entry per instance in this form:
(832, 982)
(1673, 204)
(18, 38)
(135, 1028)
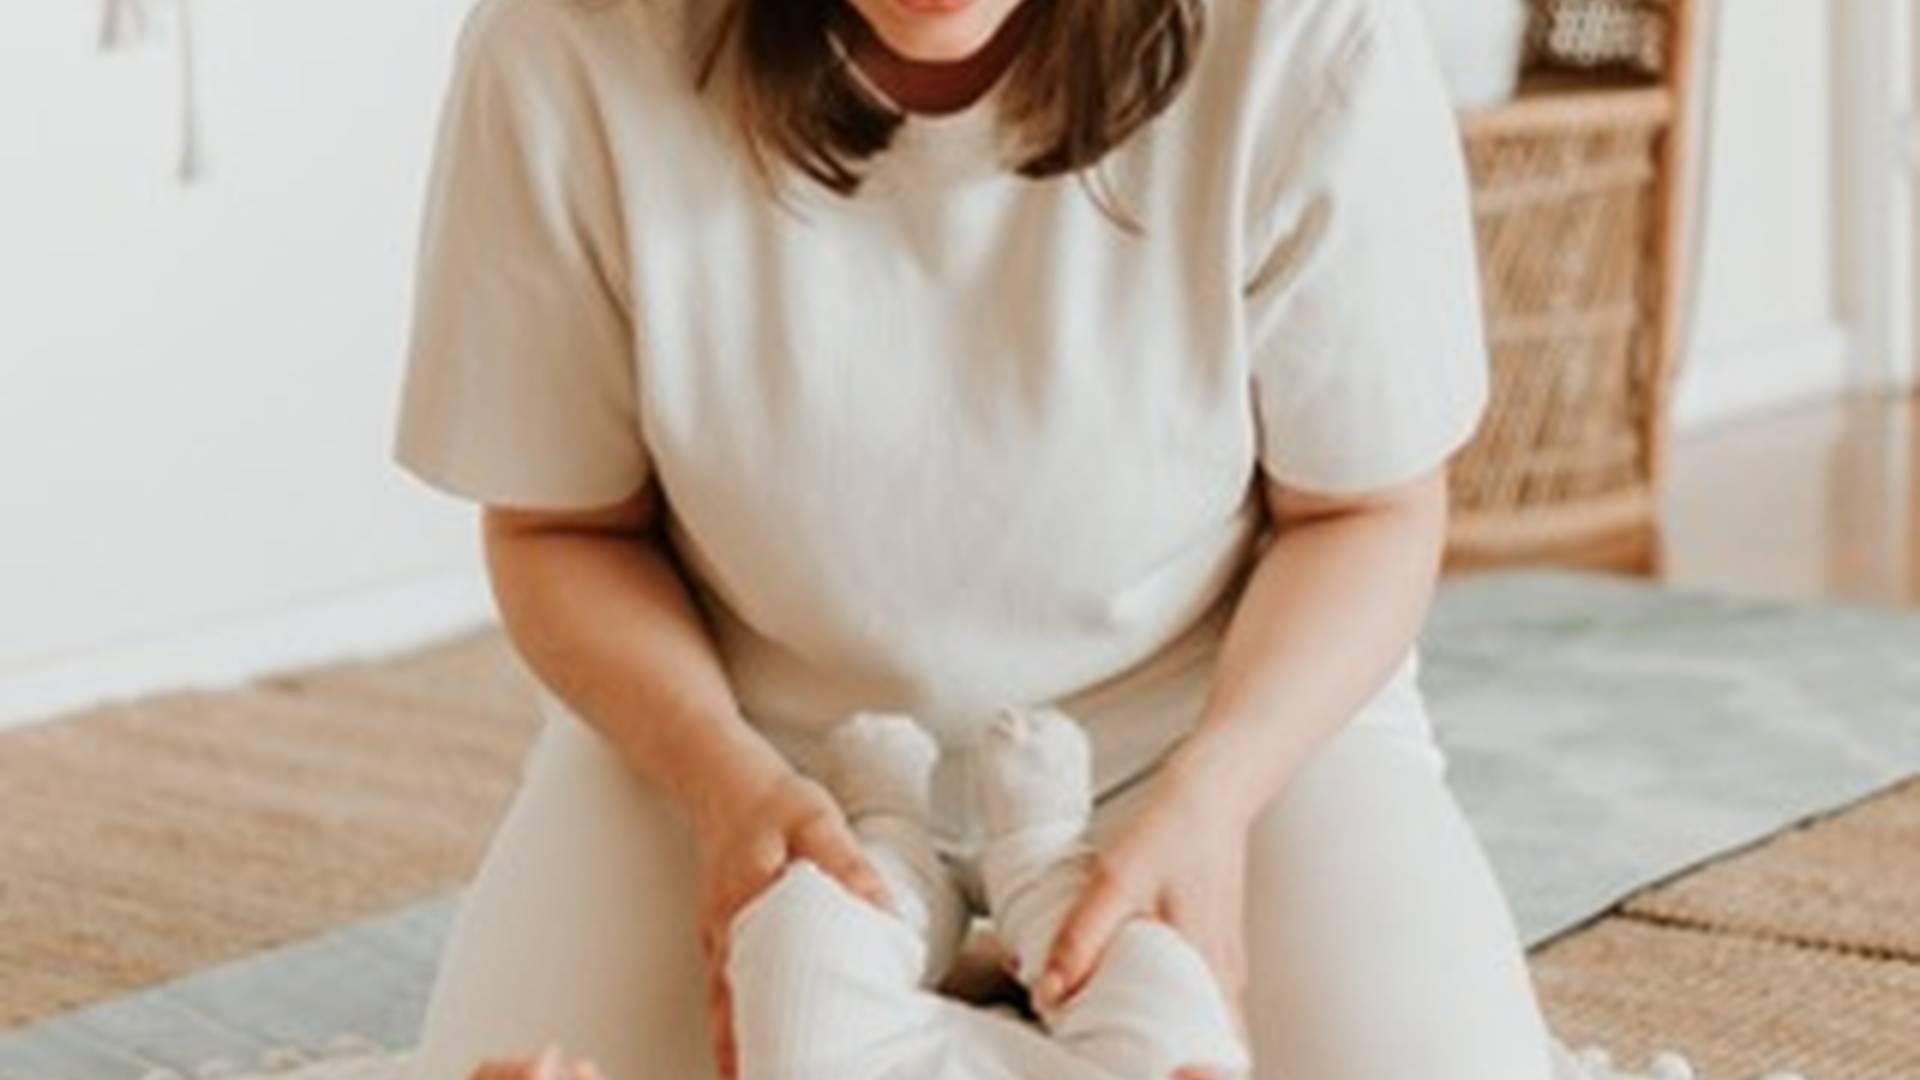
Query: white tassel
(123, 23)
(1668, 1065)
(126, 23)
(193, 151)
(1594, 1063)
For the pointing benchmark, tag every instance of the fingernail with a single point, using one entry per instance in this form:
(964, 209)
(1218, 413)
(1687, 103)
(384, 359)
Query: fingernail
(1047, 989)
(547, 1067)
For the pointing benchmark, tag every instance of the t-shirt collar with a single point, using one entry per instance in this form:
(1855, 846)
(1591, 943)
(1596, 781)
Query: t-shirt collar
(966, 142)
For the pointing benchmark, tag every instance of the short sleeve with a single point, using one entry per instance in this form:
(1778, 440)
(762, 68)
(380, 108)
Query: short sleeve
(1367, 354)
(521, 377)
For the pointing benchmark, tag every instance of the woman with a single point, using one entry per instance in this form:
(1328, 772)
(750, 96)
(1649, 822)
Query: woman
(935, 355)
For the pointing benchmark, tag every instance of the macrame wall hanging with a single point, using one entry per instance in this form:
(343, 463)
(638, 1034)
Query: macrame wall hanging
(127, 23)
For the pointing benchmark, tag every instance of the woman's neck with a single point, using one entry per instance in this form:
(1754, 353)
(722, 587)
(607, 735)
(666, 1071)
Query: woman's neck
(928, 87)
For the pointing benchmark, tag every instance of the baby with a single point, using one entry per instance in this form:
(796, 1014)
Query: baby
(828, 987)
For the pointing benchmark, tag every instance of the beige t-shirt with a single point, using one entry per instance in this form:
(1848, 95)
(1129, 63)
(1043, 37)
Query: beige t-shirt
(959, 440)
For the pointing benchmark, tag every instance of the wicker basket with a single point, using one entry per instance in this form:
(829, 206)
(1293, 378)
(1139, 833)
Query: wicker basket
(1576, 199)
(1599, 34)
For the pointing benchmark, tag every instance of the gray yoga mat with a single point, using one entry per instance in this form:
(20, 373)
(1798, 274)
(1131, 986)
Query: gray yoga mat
(1602, 735)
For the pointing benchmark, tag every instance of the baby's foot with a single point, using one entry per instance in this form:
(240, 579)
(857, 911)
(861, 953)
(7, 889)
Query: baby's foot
(1035, 770)
(881, 764)
(880, 769)
(1035, 794)
(1152, 1008)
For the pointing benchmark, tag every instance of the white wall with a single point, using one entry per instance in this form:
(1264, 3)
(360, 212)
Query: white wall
(1769, 330)
(197, 384)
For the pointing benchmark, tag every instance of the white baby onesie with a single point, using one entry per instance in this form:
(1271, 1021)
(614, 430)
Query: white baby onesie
(828, 987)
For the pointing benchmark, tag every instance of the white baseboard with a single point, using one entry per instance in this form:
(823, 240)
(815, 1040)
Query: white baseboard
(1723, 384)
(337, 628)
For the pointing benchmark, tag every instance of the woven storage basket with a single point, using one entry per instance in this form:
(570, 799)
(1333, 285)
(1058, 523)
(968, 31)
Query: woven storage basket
(1622, 34)
(1575, 201)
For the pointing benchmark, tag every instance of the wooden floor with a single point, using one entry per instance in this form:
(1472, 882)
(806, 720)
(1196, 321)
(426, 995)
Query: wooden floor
(1821, 502)
(1816, 503)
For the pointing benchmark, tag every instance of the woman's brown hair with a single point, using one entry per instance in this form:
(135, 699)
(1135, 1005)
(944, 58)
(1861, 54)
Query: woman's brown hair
(1090, 73)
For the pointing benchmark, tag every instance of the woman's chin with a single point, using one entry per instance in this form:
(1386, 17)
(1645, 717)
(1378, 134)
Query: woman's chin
(935, 31)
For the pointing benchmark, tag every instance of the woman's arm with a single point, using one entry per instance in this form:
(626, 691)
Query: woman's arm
(1332, 608)
(596, 605)
(1333, 605)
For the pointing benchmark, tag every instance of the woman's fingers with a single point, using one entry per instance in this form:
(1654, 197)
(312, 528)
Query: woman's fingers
(720, 1024)
(550, 1065)
(831, 845)
(714, 941)
(743, 879)
(765, 855)
(1083, 937)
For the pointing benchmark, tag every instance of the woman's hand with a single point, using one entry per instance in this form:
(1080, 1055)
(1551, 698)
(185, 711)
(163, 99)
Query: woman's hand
(552, 1064)
(772, 820)
(1182, 861)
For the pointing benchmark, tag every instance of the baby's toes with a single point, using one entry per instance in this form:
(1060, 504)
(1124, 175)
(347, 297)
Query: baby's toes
(1008, 751)
(1039, 744)
(1009, 728)
(881, 763)
(1061, 740)
(884, 740)
(1034, 770)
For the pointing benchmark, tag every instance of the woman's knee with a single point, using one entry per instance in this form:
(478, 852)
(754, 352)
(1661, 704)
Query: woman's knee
(579, 928)
(1380, 947)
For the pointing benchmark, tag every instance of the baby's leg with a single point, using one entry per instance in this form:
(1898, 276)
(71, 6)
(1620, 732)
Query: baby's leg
(1152, 1006)
(824, 984)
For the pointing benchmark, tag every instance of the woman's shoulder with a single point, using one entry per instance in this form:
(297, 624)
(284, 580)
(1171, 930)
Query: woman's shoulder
(1300, 51)
(579, 44)
(1299, 77)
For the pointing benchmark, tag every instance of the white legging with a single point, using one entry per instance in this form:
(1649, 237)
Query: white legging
(1379, 946)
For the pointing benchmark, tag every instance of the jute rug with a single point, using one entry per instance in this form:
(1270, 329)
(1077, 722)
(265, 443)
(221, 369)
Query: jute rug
(1801, 952)
(166, 836)
(155, 838)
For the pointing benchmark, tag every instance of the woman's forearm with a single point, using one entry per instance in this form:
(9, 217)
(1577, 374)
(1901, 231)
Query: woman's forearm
(1332, 607)
(602, 615)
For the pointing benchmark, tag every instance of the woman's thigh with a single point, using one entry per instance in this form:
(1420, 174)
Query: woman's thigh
(579, 928)
(1380, 946)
